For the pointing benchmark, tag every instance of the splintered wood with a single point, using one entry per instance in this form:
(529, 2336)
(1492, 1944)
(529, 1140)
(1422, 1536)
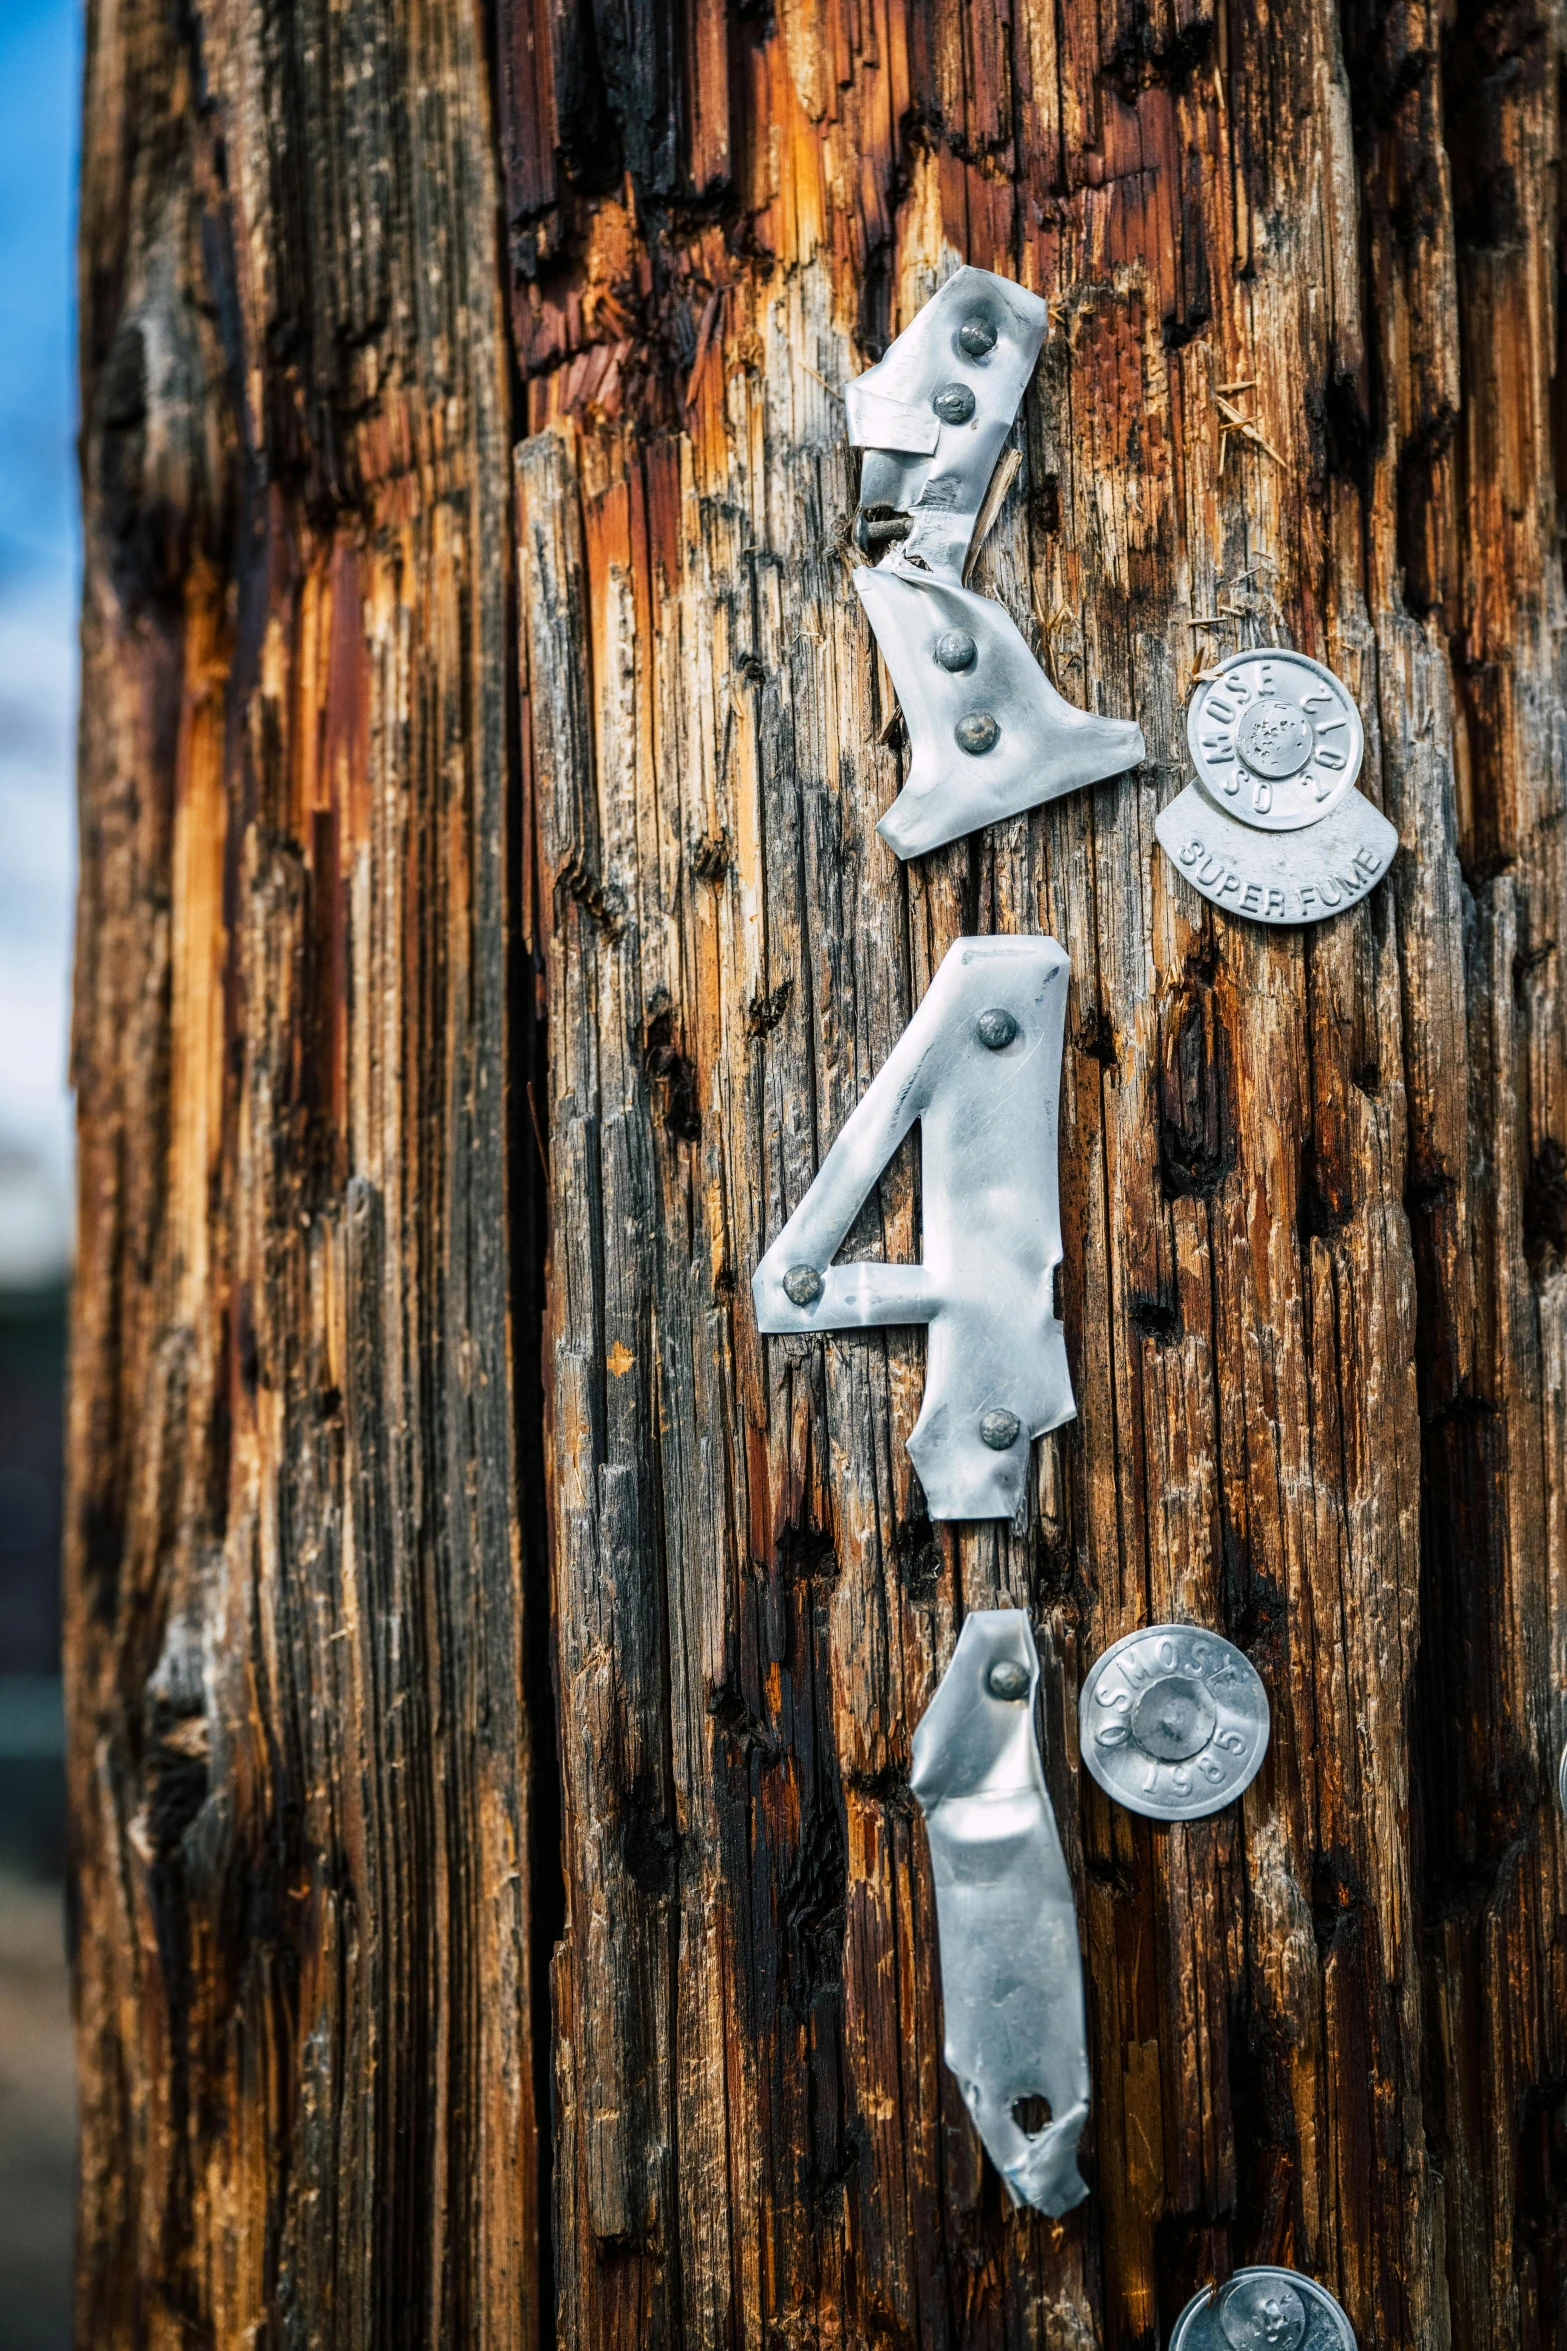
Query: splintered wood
(1312, 1183)
(415, 732)
(295, 1648)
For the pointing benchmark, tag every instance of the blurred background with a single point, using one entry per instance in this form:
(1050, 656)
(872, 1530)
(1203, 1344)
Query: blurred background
(39, 76)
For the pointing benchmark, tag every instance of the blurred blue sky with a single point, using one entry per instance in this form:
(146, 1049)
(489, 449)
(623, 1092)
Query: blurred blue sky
(39, 571)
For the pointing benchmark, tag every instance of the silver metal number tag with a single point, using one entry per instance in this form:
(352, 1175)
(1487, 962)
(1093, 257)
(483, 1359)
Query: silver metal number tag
(1011, 1972)
(988, 734)
(1273, 828)
(979, 1067)
(932, 415)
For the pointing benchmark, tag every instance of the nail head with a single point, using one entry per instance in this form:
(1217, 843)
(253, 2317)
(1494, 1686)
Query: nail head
(954, 404)
(1262, 2313)
(976, 731)
(1173, 1718)
(802, 1285)
(996, 1027)
(956, 649)
(976, 336)
(998, 1430)
(1007, 1678)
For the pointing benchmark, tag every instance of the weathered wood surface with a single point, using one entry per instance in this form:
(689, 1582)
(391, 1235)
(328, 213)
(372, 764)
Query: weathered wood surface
(296, 1640)
(1313, 1184)
(341, 610)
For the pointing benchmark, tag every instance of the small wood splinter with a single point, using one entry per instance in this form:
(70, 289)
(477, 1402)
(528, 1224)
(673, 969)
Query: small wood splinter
(1245, 428)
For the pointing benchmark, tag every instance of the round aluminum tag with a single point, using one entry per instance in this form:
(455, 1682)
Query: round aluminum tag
(1275, 738)
(1264, 2310)
(1173, 1722)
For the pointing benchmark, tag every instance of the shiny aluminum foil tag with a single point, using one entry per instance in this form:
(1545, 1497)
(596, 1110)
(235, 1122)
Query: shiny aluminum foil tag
(933, 413)
(989, 736)
(979, 1066)
(988, 733)
(1011, 1971)
(1264, 2310)
(1273, 828)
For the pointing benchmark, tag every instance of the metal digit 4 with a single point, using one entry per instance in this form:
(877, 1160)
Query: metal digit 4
(979, 1067)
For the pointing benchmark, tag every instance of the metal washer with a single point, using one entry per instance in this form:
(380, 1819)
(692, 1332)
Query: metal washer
(1173, 1722)
(1262, 2310)
(1275, 738)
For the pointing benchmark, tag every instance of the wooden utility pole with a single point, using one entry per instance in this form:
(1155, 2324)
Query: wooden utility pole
(492, 1680)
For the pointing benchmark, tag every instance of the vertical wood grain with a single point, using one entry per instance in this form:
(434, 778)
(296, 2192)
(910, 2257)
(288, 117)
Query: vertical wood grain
(1312, 1181)
(351, 597)
(300, 1759)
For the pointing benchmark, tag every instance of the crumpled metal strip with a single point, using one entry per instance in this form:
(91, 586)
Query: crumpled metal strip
(939, 477)
(930, 462)
(1011, 1972)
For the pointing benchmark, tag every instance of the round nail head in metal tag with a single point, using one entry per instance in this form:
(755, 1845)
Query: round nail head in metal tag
(1264, 2310)
(1173, 1722)
(1275, 738)
(999, 1430)
(977, 731)
(976, 337)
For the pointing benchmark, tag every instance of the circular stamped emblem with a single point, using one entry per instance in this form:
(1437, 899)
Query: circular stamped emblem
(1276, 739)
(1264, 2310)
(1173, 1722)
(1259, 2313)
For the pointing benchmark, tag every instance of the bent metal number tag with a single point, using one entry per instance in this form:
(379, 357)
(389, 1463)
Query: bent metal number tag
(979, 1067)
(1011, 1973)
(1273, 828)
(989, 736)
